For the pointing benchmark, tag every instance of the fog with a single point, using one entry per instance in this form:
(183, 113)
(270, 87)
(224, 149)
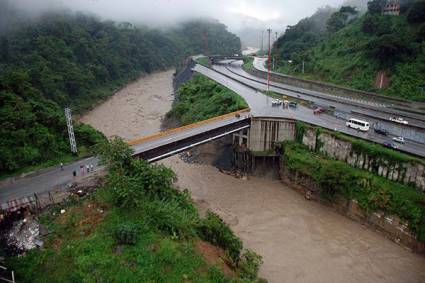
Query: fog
(243, 17)
(159, 12)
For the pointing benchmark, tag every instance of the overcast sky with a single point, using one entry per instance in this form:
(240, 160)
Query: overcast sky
(169, 11)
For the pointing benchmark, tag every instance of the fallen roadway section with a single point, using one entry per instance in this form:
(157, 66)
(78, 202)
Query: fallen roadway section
(166, 143)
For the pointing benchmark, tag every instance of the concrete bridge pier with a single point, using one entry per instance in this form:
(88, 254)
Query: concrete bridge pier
(255, 148)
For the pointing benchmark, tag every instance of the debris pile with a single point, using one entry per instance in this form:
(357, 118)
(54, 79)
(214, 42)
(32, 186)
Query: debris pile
(235, 173)
(190, 157)
(24, 235)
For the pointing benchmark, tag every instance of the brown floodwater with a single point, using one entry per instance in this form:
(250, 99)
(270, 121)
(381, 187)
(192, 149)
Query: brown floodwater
(299, 240)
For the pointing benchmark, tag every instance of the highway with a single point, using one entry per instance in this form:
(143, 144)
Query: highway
(261, 106)
(364, 110)
(382, 108)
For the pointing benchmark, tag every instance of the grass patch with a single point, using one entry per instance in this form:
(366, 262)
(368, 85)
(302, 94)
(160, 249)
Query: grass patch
(201, 98)
(248, 63)
(203, 61)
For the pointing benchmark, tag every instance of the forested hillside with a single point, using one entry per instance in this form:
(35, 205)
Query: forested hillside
(64, 59)
(354, 49)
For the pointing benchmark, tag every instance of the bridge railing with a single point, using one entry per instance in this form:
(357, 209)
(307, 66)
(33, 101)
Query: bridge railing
(180, 129)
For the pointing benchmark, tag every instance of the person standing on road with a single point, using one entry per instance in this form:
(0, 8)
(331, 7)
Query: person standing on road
(91, 167)
(61, 166)
(87, 168)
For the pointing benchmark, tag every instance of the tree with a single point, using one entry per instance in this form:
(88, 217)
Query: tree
(336, 22)
(387, 49)
(416, 13)
(376, 6)
(339, 19)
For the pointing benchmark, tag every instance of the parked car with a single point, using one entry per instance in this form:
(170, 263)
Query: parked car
(399, 120)
(399, 139)
(390, 145)
(293, 104)
(381, 131)
(276, 102)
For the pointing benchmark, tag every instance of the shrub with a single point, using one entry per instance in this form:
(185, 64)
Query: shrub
(250, 264)
(126, 234)
(214, 230)
(169, 217)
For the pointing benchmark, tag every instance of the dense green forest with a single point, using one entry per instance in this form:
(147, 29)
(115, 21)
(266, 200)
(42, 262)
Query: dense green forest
(354, 48)
(137, 228)
(66, 59)
(201, 98)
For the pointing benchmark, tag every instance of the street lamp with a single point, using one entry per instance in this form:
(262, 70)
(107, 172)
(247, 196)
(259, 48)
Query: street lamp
(268, 60)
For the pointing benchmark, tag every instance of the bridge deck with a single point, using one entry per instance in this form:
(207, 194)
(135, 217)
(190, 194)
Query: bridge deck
(174, 136)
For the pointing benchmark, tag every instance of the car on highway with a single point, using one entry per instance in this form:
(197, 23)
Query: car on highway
(399, 120)
(390, 145)
(381, 131)
(318, 110)
(276, 102)
(293, 104)
(399, 139)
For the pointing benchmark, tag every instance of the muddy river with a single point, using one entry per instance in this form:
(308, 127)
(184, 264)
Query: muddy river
(300, 241)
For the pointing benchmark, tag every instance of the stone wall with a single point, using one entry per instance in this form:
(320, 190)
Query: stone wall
(409, 173)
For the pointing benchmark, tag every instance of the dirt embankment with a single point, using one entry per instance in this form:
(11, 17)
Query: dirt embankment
(300, 241)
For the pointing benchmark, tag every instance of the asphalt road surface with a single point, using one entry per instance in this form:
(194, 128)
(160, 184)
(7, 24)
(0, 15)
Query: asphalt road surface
(46, 180)
(261, 106)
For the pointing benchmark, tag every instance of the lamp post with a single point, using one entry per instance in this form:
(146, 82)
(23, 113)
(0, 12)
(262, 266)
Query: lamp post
(269, 63)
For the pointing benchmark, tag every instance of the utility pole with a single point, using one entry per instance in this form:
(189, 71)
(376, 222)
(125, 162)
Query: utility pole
(71, 135)
(303, 66)
(262, 42)
(206, 47)
(268, 73)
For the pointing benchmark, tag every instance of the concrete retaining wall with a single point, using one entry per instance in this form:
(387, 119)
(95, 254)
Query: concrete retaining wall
(409, 173)
(324, 87)
(266, 132)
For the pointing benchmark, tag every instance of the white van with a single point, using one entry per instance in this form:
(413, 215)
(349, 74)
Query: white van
(358, 124)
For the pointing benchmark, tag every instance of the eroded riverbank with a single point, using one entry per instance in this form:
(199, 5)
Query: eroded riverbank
(300, 241)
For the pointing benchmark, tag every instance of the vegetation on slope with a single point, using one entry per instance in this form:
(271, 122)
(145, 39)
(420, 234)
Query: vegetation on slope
(76, 60)
(201, 98)
(138, 228)
(338, 179)
(353, 55)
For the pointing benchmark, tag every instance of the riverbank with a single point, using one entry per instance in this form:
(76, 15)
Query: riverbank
(300, 241)
(135, 110)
